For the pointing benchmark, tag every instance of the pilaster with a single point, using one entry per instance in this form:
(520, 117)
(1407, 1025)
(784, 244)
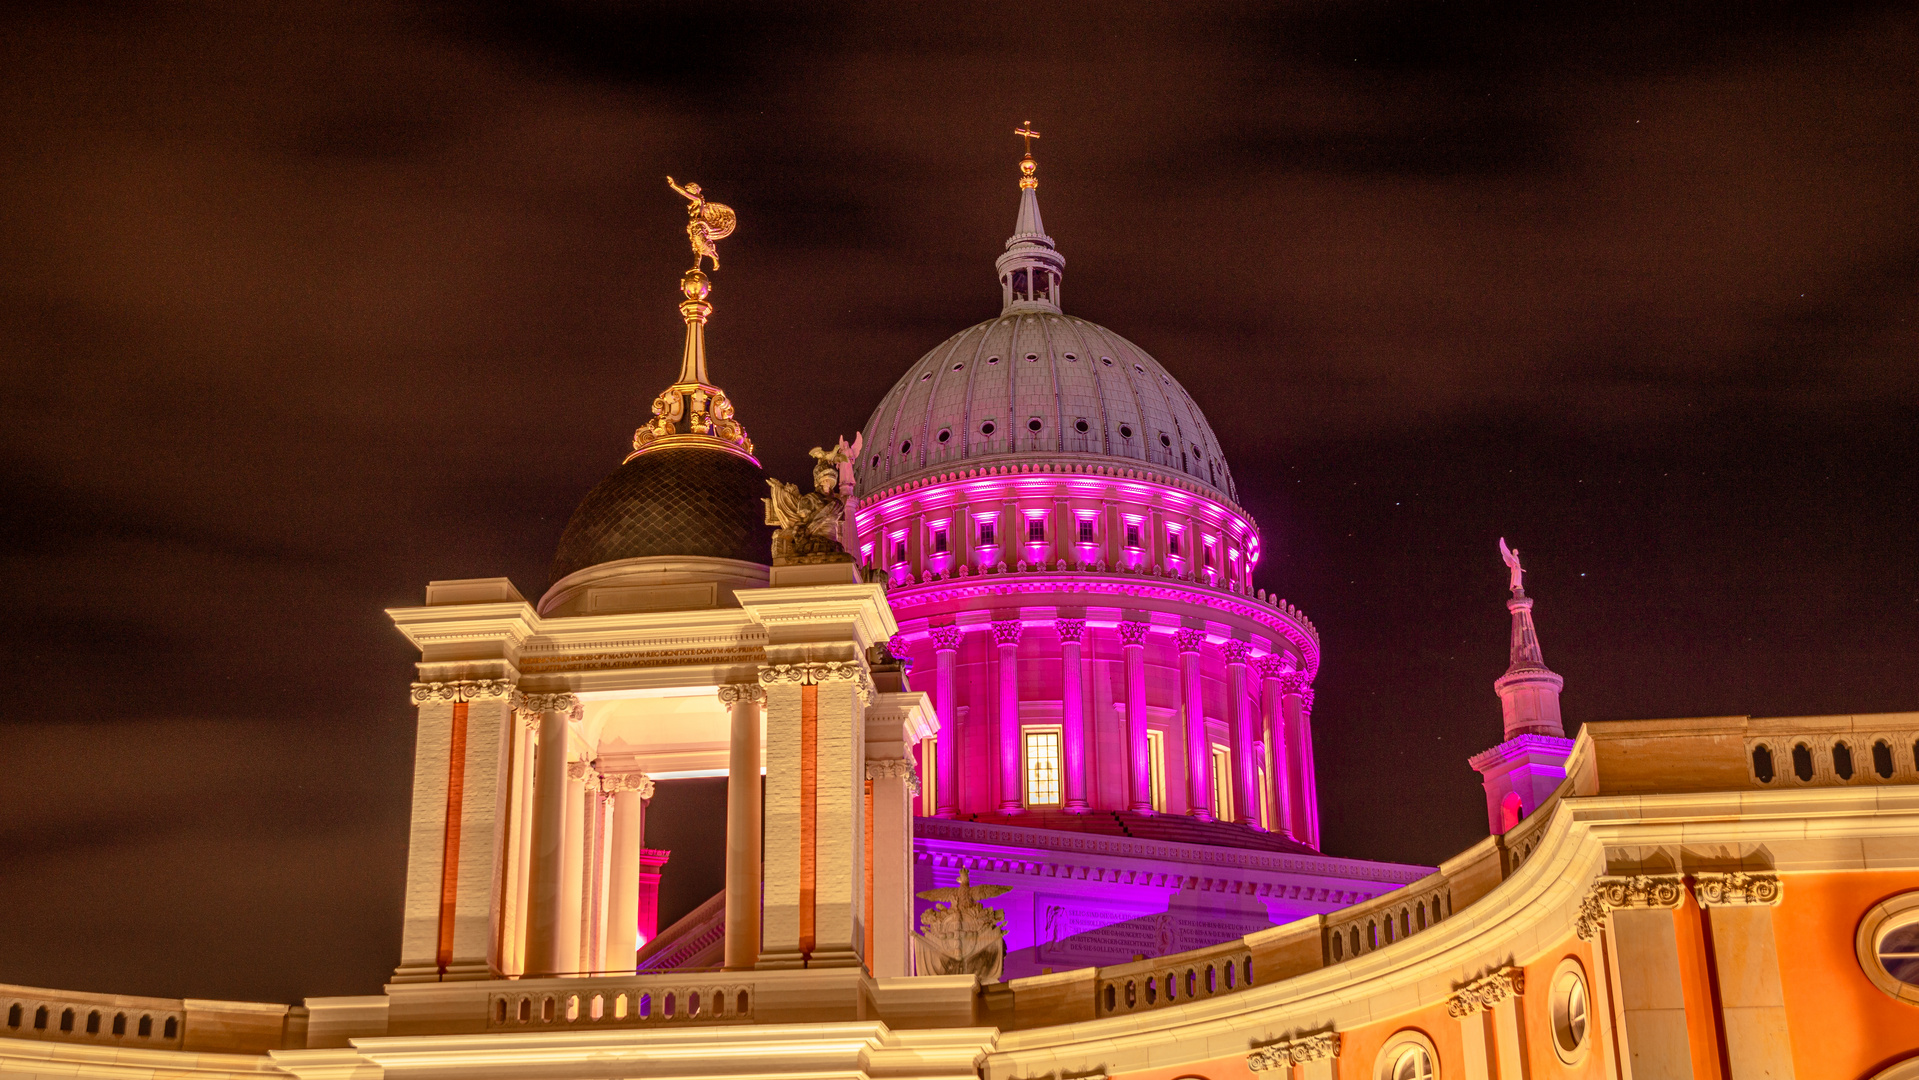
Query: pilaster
(1752, 1003)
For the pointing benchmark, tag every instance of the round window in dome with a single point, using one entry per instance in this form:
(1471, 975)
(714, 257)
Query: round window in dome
(1034, 424)
(876, 461)
(906, 447)
(1125, 432)
(1081, 426)
(926, 376)
(987, 428)
(992, 359)
(1165, 441)
(945, 434)
(956, 367)
(1107, 360)
(1139, 369)
(1032, 356)
(1070, 356)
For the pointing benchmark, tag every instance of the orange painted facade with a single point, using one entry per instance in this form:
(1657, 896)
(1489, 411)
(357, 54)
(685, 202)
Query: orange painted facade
(1842, 1025)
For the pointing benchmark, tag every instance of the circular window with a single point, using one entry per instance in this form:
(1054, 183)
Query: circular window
(876, 461)
(1032, 356)
(1125, 431)
(1164, 441)
(1081, 426)
(1887, 944)
(906, 446)
(1070, 356)
(945, 434)
(1033, 424)
(987, 428)
(992, 359)
(926, 376)
(1571, 1012)
(1107, 360)
(956, 367)
(1139, 369)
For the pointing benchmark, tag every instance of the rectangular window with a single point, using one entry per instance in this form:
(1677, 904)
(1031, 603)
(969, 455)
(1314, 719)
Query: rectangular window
(1222, 784)
(986, 533)
(1036, 530)
(929, 776)
(1172, 542)
(1086, 531)
(1209, 554)
(939, 541)
(1156, 768)
(899, 550)
(1132, 534)
(1042, 766)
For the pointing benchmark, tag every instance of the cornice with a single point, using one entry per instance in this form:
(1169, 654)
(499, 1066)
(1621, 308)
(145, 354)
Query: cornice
(511, 622)
(1145, 474)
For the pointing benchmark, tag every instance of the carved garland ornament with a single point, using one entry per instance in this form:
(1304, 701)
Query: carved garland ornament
(1485, 992)
(463, 690)
(895, 769)
(1295, 1051)
(1637, 891)
(1727, 890)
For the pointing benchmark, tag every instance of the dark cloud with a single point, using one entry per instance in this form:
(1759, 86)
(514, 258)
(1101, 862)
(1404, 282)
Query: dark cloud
(305, 306)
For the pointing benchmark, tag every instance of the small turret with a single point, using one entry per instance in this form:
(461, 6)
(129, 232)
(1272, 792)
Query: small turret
(1031, 269)
(1523, 771)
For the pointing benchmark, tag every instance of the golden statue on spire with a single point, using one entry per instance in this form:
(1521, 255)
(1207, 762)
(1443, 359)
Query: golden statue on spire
(705, 222)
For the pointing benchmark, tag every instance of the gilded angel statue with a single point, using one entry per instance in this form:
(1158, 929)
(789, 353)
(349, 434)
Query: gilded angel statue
(810, 523)
(706, 222)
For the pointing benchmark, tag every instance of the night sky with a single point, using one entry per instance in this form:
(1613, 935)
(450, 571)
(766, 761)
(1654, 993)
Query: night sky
(301, 308)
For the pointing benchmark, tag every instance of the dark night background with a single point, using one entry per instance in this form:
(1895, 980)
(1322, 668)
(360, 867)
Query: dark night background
(301, 307)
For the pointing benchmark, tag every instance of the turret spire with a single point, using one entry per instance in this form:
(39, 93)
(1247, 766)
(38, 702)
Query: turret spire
(1030, 271)
(693, 411)
(1529, 691)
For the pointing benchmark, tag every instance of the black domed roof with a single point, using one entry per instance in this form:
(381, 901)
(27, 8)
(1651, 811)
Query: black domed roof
(688, 501)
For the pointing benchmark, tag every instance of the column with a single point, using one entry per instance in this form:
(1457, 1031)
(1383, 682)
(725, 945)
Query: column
(895, 783)
(1199, 757)
(1278, 754)
(1308, 804)
(1489, 1024)
(1752, 1003)
(648, 905)
(426, 845)
(946, 742)
(1132, 636)
(1072, 714)
(546, 900)
(1245, 768)
(1652, 992)
(519, 878)
(630, 792)
(1292, 714)
(743, 794)
(573, 869)
(1011, 753)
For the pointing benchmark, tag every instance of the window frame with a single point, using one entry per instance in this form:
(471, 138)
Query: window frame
(1892, 913)
(1156, 768)
(1570, 973)
(1026, 735)
(1396, 1047)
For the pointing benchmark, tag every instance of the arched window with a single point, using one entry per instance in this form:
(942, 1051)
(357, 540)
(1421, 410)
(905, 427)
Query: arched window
(1511, 811)
(1762, 763)
(1339, 949)
(14, 1015)
(1842, 760)
(1802, 763)
(40, 1019)
(1408, 1055)
(172, 1029)
(146, 1027)
(1882, 759)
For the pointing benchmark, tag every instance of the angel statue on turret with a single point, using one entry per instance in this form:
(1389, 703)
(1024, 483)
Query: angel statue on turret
(811, 524)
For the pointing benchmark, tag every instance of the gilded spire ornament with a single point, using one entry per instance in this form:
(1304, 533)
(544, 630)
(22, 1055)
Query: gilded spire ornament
(693, 411)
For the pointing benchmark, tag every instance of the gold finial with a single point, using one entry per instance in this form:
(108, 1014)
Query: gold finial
(1025, 131)
(1027, 165)
(705, 222)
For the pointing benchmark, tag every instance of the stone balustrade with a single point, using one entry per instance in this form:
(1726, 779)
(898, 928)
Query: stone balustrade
(73, 1016)
(668, 998)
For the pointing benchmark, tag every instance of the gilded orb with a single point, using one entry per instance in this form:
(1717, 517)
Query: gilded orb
(695, 285)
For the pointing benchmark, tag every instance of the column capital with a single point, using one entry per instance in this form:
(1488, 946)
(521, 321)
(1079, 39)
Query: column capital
(1070, 630)
(733, 693)
(813, 674)
(1736, 889)
(1007, 631)
(947, 638)
(1298, 1050)
(1236, 652)
(1133, 633)
(462, 690)
(1293, 682)
(1189, 640)
(611, 782)
(560, 703)
(1637, 891)
(894, 769)
(1274, 666)
(583, 771)
(1487, 991)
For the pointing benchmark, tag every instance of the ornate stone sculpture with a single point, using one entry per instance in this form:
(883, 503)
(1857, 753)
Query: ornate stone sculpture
(705, 222)
(810, 525)
(1487, 991)
(1730, 890)
(1298, 1050)
(1637, 891)
(1511, 555)
(965, 937)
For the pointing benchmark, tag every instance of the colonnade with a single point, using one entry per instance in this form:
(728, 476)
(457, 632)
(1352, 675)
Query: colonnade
(1268, 711)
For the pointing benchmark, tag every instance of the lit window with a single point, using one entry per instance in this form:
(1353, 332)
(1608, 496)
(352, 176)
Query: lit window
(1172, 542)
(1408, 1055)
(929, 776)
(899, 550)
(1132, 534)
(1042, 766)
(1222, 784)
(1156, 768)
(1036, 530)
(1413, 1063)
(1209, 554)
(939, 541)
(1086, 531)
(986, 533)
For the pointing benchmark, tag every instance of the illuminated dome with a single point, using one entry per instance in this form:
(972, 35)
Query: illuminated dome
(1035, 384)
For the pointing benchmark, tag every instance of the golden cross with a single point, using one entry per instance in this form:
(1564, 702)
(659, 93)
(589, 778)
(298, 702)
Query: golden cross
(1026, 132)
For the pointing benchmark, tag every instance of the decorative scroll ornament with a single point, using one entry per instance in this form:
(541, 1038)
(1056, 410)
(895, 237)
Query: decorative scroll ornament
(1070, 630)
(1485, 992)
(1730, 890)
(810, 525)
(464, 690)
(733, 693)
(814, 674)
(965, 937)
(627, 781)
(895, 769)
(584, 771)
(1133, 633)
(537, 704)
(1189, 640)
(947, 638)
(1637, 891)
(1298, 1050)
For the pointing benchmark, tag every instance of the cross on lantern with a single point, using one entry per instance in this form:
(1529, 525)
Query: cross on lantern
(1025, 131)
